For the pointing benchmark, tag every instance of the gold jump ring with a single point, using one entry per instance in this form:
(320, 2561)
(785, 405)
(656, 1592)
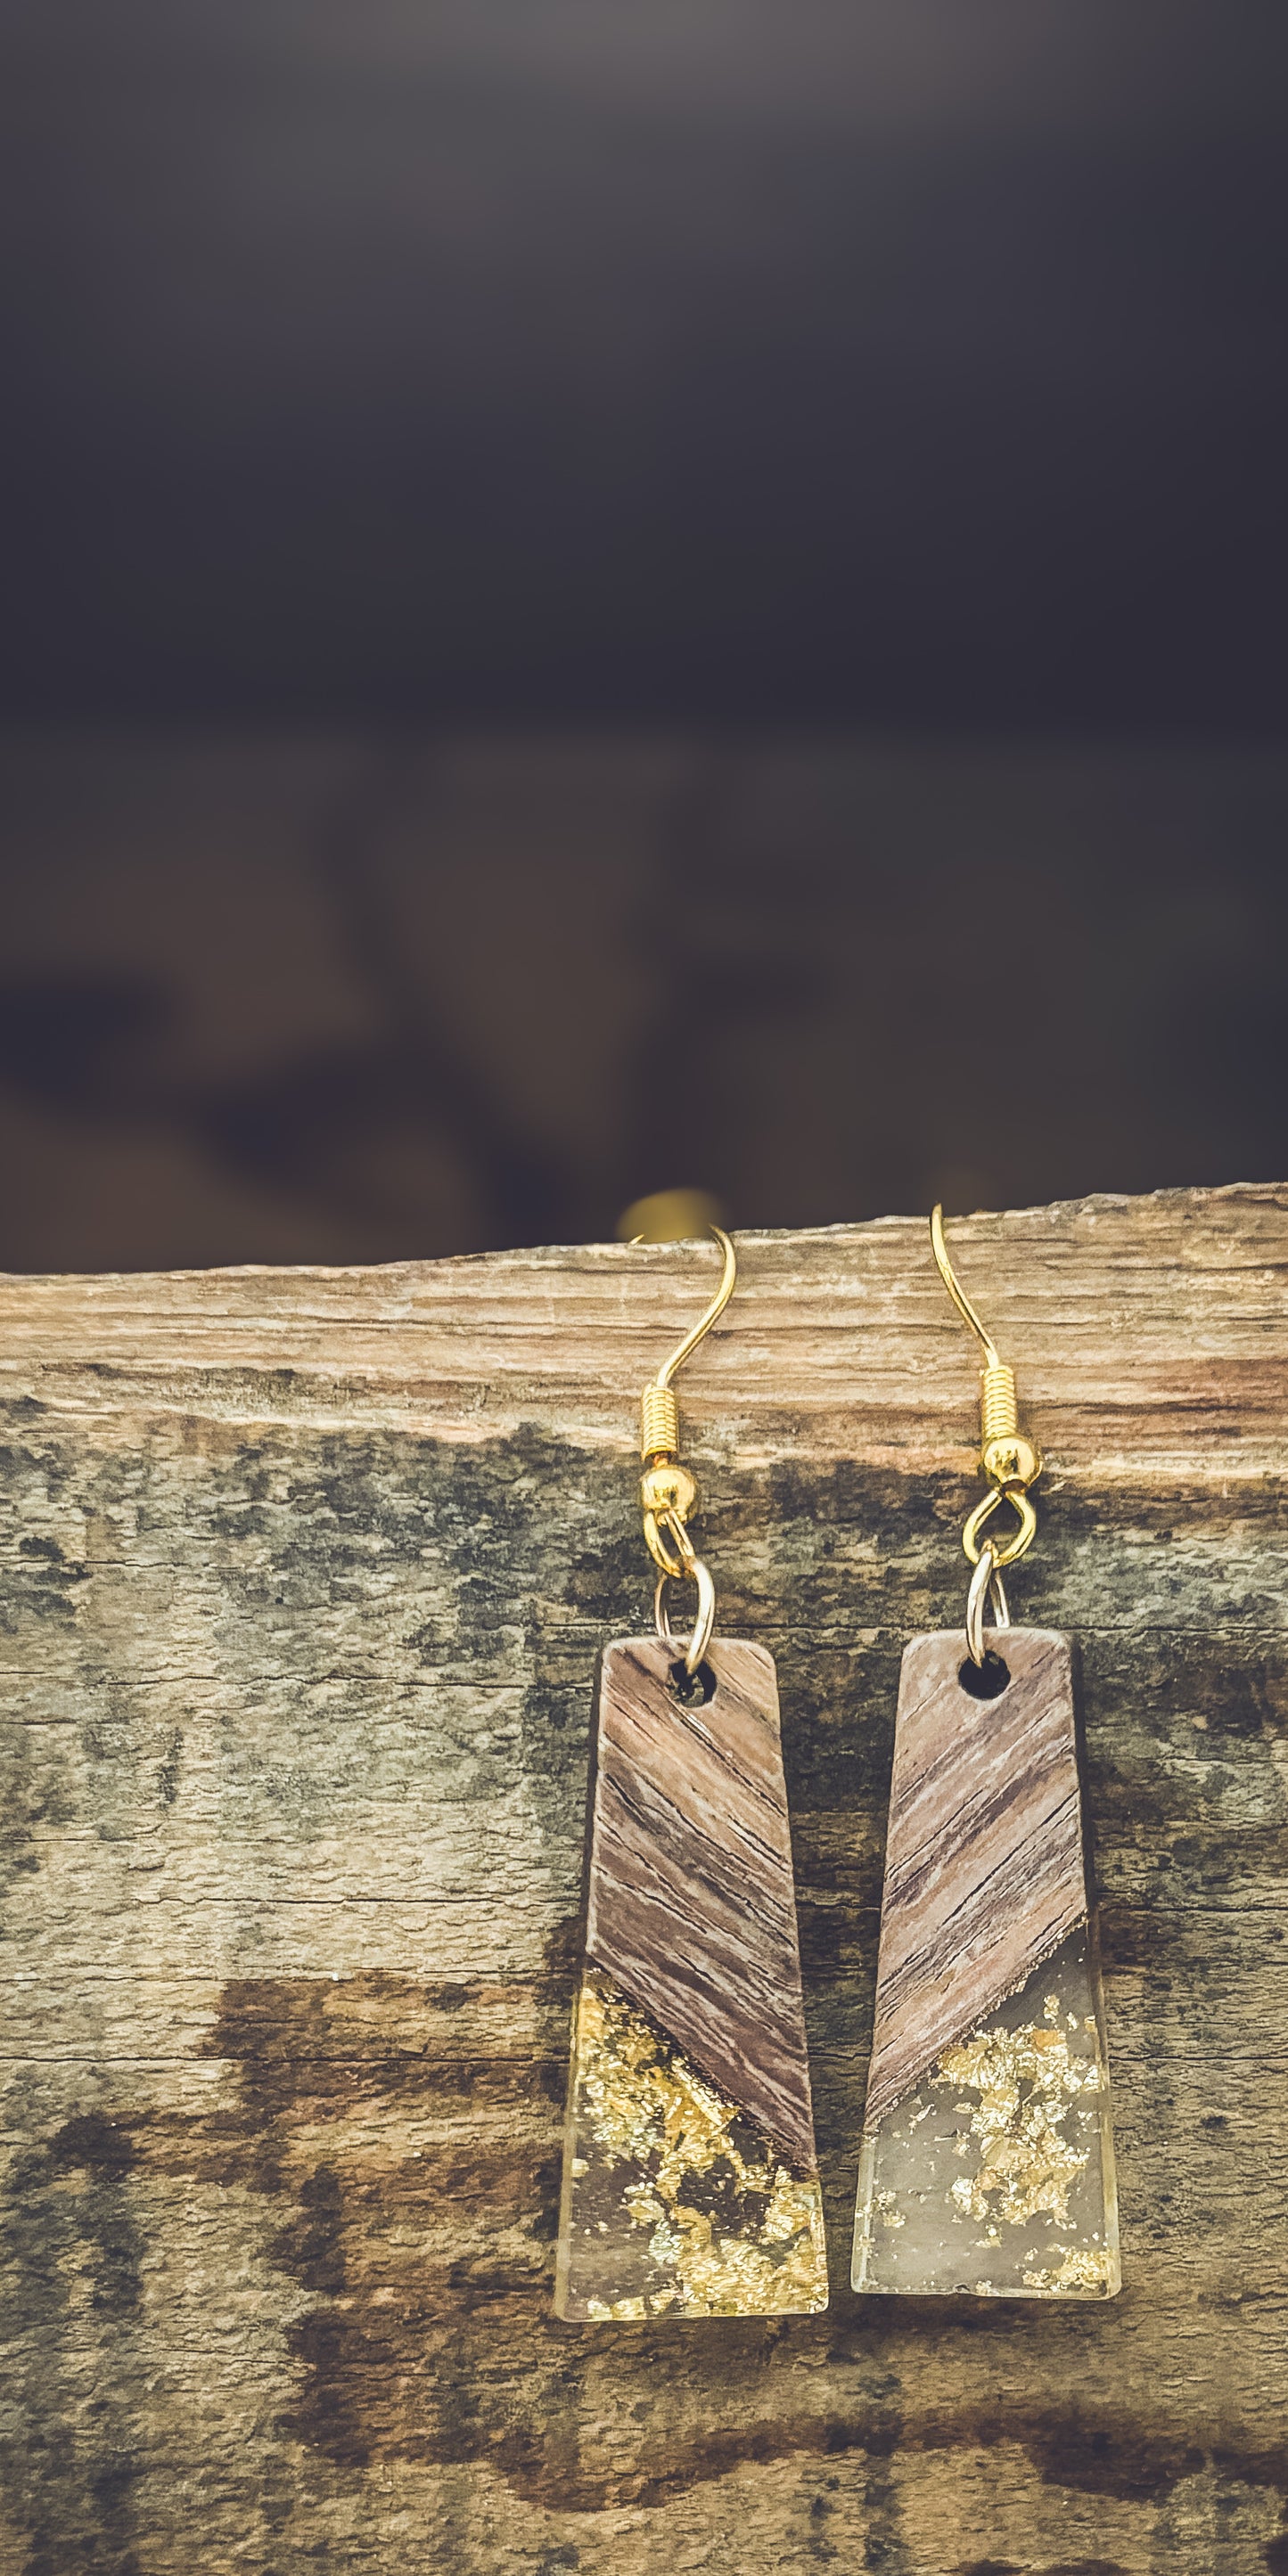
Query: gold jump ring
(985, 1583)
(1021, 1539)
(676, 1558)
(703, 1623)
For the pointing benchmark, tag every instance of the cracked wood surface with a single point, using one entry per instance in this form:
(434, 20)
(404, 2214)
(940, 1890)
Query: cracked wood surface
(306, 1575)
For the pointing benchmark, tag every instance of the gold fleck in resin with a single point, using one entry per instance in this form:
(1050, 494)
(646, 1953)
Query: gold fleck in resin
(1025, 2082)
(997, 2175)
(674, 2202)
(1090, 2271)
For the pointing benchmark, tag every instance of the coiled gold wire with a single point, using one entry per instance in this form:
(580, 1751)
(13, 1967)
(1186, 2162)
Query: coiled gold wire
(659, 1423)
(999, 1412)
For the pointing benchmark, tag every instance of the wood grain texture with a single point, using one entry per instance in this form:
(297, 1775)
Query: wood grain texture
(984, 1866)
(304, 1581)
(690, 1900)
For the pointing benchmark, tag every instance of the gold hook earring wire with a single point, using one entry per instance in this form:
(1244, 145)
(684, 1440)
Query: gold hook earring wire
(668, 1490)
(992, 1357)
(728, 1282)
(1009, 1461)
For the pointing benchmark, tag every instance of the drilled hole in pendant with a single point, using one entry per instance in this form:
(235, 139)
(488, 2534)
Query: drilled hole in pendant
(693, 1690)
(987, 1680)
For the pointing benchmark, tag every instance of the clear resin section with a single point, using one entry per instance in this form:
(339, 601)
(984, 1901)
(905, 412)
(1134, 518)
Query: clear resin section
(674, 2202)
(996, 2176)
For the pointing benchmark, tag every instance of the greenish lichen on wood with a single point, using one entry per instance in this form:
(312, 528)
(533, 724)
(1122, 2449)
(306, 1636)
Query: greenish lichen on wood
(305, 1577)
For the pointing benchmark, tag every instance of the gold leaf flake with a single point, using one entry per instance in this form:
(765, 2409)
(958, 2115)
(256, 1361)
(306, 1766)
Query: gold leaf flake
(648, 2109)
(1085, 2268)
(1026, 2083)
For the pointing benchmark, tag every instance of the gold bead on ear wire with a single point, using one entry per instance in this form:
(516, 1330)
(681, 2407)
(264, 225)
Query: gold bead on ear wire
(1009, 1460)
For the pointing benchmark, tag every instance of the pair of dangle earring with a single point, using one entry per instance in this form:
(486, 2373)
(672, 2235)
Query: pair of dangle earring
(690, 2182)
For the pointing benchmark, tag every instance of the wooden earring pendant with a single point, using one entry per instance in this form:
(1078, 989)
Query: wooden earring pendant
(987, 2162)
(690, 2186)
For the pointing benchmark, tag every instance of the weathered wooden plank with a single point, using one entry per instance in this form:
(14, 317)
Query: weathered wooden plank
(306, 1579)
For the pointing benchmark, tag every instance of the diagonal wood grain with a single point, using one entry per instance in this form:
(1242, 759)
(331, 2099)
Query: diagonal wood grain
(984, 1871)
(690, 1901)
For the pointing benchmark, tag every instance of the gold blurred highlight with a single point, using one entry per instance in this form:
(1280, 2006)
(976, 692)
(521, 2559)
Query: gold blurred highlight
(669, 1216)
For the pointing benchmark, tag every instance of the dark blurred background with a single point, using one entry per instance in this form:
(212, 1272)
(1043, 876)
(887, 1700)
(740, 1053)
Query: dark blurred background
(604, 595)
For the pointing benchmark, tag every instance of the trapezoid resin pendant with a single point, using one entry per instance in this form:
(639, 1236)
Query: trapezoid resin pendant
(689, 2180)
(987, 2162)
(690, 2186)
